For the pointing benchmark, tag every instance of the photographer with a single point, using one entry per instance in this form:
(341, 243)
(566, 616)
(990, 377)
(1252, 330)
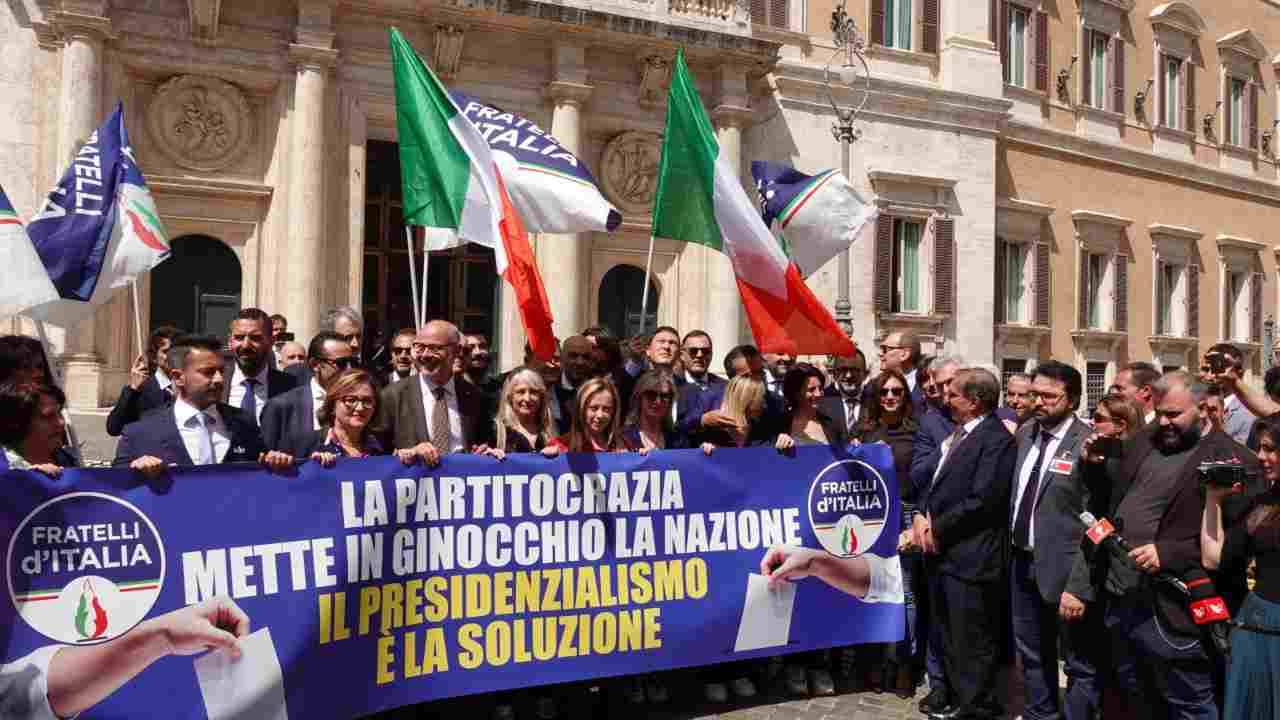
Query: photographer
(1241, 404)
(1153, 496)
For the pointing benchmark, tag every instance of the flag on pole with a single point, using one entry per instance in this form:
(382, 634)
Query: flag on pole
(451, 182)
(818, 216)
(551, 188)
(99, 227)
(23, 279)
(701, 200)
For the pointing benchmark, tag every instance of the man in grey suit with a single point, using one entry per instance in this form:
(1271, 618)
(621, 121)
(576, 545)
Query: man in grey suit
(1050, 583)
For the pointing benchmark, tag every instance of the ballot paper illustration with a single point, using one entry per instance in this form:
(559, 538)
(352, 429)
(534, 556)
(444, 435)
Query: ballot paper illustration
(248, 688)
(766, 614)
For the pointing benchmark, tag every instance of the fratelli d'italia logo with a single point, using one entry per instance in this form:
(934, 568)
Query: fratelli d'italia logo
(85, 567)
(848, 506)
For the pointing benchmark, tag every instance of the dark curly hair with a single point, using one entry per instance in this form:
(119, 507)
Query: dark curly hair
(18, 405)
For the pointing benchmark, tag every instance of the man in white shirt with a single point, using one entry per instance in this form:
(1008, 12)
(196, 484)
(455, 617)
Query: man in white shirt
(252, 380)
(289, 421)
(402, 361)
(845, 404)
(776, 366)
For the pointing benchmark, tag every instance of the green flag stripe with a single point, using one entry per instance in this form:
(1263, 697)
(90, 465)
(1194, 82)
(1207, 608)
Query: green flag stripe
(684, 206)
(145, 212)
(434, 169)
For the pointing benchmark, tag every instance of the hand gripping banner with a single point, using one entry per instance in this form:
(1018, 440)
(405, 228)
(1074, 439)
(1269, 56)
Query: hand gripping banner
(373, 585)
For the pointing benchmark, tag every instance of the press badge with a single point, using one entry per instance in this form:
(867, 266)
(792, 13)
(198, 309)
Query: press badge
(1062, 465)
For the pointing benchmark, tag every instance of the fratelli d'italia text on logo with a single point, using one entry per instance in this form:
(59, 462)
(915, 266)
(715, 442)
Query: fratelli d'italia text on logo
(848, 505)
(85, 567)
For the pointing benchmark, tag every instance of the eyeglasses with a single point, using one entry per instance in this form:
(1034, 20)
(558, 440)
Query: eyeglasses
(357, 403)
(892, 392)
(343, 363)
(433, 349)
(652, 396)
(401, 350)
(887, 348)
(698, 351)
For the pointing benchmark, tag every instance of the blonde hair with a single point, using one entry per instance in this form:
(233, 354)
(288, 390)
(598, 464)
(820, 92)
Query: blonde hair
(740, 395)
(506, 421)
(579, 439)
(651, 381)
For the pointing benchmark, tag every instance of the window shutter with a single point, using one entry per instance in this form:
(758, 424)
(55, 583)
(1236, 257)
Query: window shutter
(1120, 318)
(1086, 68)
(1117, 68)
(1003, 32)
(929, 27)
(944, 266)
(1042, 51)
(877, 22)
(1255, 307)
(1163, 96)
(883, 283)
(993, 17)
(1082, 298)
(1159, 319)
(1189, 95)
(1253, 116)
(1042, 284)
(1193, 300)
(1001, 270)
(1227, 117)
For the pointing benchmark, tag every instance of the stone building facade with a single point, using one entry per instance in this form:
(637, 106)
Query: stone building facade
(267, 134)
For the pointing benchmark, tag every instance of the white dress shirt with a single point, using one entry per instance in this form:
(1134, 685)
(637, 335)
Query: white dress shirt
(457, 443)
(947, 444)
(1056, 434)
(192, 431)
(911, 381)
(236, 397)
(24, 686)
(886, 579)
(164, 381)
(317, 399)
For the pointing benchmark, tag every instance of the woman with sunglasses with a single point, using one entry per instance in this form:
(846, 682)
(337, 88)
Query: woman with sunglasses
(889, 420)
(350, 404)
(649, 425)
(523, 423)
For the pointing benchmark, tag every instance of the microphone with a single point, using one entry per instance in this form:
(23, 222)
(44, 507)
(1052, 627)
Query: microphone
(1103, 534)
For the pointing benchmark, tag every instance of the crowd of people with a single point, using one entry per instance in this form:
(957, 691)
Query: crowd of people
(993, 481)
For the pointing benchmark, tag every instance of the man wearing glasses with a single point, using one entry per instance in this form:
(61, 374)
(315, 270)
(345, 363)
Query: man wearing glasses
(698, 378)
(901, 351)
(289, 420)
(402, 364)
(440, 413)
(845, 404)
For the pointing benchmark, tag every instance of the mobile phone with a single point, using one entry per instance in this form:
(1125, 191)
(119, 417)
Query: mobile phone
(1217, 363)
(1108, 447)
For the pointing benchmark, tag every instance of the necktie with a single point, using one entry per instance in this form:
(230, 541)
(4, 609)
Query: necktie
(1022, 523)
(249, 403)
(204, 438)
(440, 421)
(850, 414)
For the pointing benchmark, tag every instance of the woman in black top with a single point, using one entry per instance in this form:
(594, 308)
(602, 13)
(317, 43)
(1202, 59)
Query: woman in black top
(649, 425)
(32, 428)
(1253, 677)
(804, 423)
(888, 420)
(523, 423)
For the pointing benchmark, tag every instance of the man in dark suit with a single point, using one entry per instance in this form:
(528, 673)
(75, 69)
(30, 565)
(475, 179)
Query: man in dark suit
(844, 405)
(901, 351)
(401, 355)
(1152, 495)
(696, 352)
(289, 420)
(198, 430)
(477, 369)
(702, 410)
(578, 363)
(251, 381)
(1048, 577)
(962, 525)
(149, 384)
(434, 412)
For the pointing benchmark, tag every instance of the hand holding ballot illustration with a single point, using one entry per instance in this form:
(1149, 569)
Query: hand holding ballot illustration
(868, 577)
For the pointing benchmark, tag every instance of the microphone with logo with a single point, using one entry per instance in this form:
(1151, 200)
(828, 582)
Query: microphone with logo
(1208, 610)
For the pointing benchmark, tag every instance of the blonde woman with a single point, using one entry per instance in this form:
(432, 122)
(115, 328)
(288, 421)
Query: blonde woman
(523, 423)
(649, 425)
(744, 403)
(597, 421)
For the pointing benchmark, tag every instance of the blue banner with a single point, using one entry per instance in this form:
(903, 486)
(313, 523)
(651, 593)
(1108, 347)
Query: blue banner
(380, 585)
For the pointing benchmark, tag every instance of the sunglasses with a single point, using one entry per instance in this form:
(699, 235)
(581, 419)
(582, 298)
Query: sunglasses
(892, 392)
(343, 363)
(698, 351)
(652, 396)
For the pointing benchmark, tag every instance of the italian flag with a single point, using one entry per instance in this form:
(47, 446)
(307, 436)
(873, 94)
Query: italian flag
(451, 183)
(701, 200)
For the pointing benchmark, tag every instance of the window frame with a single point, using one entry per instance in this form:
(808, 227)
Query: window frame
(898, 303)
(1173, 90)
(893, 23)
(1098, 86)
(1025, 65)
(1236, 128)
(1016, 305)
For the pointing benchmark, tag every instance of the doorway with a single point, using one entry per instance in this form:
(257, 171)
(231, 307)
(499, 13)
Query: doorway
(198, 288)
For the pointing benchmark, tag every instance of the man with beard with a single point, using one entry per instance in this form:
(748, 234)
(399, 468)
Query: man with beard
(197, 430)
(402, 360)
(1153, 497)
(252, 379)
(1017, 397)
(477, 366)
(289, 421)
(776, 366)
(1052, 593)
(441, 413)
(845, 407)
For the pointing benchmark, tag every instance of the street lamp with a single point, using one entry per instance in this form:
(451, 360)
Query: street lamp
(853, 65)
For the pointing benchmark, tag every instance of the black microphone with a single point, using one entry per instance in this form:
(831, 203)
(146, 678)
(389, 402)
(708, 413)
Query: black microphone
(1103, 534)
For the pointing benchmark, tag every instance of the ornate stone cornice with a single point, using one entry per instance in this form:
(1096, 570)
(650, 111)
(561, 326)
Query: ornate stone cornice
(731, 116)
(72, 25)
(203, 17)
(568, 93)
(310, 57)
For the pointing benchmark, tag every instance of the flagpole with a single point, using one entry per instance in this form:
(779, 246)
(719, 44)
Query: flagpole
(137, 314)
(413, 276)
(426, 267)
(644, 291)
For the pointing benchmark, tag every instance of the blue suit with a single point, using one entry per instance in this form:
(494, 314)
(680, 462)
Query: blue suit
(935, 426)
(156, 434)
(695, 403)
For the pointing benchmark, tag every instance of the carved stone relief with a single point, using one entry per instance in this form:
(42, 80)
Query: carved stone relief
(630, 171)
(200, 123)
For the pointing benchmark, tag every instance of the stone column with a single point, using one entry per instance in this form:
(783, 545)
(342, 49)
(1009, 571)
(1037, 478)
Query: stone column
(724, 317)
(306, 230)
(568, 254)
(79, 114)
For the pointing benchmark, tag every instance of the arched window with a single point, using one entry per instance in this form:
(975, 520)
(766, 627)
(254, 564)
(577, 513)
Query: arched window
(620, 301)
(198, 288)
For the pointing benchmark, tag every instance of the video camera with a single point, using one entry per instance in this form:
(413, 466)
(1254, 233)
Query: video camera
(1224, 473)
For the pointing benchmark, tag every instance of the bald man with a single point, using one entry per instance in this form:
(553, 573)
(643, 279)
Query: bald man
(442, 412)
(291, 353)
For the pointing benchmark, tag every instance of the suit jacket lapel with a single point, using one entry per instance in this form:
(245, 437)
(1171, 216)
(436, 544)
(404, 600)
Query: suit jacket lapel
(172, 438)
(1026, 438)
(308, 404)
(228, 373)
(1068, 445)
(418, 409)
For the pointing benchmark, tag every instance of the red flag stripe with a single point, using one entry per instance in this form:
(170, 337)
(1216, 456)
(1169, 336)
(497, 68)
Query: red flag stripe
(522, 274)
(798, 324)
